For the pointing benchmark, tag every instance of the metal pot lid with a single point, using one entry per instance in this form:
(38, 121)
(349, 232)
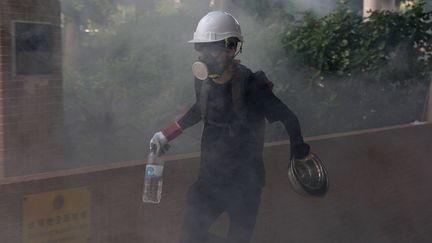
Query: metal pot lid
(308, 176)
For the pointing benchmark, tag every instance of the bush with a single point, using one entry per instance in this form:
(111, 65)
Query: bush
(342, 42)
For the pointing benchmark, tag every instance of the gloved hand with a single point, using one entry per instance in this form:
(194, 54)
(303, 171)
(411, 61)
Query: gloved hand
(159, 142)
(300, 151)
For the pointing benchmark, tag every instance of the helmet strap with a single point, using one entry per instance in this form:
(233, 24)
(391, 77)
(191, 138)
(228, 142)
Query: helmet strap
(239, 50)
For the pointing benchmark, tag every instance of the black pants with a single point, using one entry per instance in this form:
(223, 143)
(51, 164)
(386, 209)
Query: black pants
(207, 201)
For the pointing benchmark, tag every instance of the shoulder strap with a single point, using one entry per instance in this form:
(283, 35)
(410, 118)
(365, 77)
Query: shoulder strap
(260, 77)
(238, 90)
(203, 98)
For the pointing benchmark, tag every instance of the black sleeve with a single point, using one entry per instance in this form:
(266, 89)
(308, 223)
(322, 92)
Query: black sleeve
(193, 115)
(274, 109)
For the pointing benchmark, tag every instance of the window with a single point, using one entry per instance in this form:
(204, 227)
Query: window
(34, 48)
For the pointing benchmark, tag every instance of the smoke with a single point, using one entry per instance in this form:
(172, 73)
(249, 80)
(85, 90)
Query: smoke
(319, 8)
(132, 80)
(135, 78)
(129, 75)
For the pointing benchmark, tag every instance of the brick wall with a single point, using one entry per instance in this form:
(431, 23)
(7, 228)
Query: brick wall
(380, 192)
(30, 105)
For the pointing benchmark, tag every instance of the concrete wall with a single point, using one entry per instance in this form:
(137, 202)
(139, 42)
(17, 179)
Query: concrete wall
(380, 191)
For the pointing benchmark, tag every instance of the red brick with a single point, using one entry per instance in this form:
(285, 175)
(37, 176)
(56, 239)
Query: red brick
(29, 117)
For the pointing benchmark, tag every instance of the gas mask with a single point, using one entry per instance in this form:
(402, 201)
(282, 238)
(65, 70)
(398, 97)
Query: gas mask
(208, 66)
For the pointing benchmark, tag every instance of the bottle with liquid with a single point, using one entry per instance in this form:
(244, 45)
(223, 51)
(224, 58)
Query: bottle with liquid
(153, 179)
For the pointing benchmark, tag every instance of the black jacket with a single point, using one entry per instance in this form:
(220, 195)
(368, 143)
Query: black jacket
(232, 140)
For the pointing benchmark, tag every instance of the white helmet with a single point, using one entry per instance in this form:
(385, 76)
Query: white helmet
(216, 26)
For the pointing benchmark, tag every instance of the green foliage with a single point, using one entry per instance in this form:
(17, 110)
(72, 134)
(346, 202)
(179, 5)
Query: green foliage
(343, 43)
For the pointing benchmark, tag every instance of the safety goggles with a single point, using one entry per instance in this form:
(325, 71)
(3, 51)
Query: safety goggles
(229, 43)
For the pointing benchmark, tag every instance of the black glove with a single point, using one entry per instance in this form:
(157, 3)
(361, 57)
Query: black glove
(300, 151)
